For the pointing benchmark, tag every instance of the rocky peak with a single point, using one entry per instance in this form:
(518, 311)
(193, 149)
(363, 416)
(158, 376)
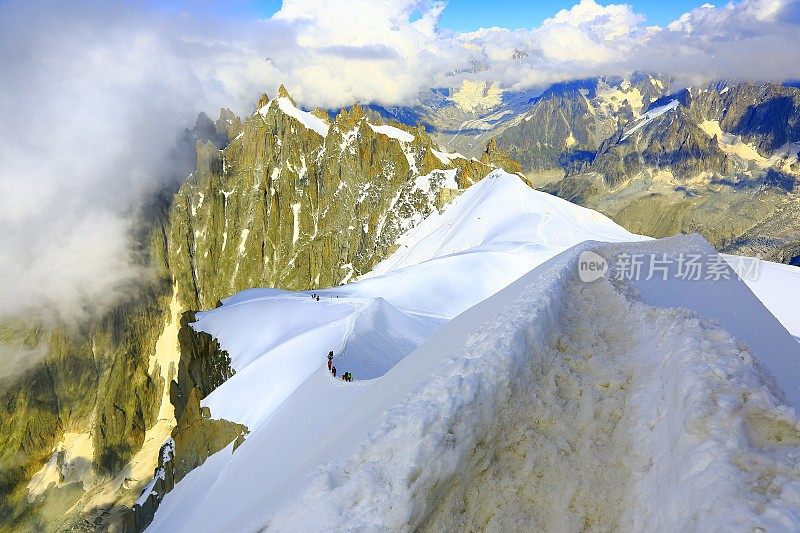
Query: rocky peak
(283, 93)
(263, 100)
(671, 141)
(348, 118)
(321, 114)
(269, 209)
(684, 97)
(494, 156)
(207, 131)
(228, 123)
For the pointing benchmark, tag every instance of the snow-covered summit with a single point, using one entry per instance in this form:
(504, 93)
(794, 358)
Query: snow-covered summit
(502, 214)
(495, 389)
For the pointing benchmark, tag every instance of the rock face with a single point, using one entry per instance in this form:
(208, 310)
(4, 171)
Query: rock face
(466, 118)
(766, 116)
(92, 387)
(286, 199)
(672, 141)
(570, 121)
(196, 436)
(284, 205)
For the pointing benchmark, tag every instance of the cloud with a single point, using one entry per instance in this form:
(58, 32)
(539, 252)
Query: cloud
(94, 95)
(92, 101)
(15, 359)
(750, 39)
(366, 52)
(363, 50)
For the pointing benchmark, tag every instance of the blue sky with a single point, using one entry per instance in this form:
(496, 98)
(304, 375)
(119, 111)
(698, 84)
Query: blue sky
(468, 15)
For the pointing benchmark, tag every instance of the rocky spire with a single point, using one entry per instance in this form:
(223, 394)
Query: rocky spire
(321, 114)
(283, 93)
(347, 118)
(494, 156)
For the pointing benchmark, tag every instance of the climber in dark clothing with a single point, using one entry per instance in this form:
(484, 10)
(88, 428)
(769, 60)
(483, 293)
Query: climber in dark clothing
(333, 371)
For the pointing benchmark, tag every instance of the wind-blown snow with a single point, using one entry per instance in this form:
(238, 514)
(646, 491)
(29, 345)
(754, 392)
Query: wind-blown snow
(482, 402)
(394, 133)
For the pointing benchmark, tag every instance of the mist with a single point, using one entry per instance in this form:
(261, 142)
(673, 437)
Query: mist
(93, 100)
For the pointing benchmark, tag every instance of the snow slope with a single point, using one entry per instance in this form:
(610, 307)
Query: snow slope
(394, 133)
(489, 236)
(309, 120)
(776, 286)
(551, 402)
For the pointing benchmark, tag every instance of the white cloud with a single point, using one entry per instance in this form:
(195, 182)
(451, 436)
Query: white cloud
(93, 96)
(362, 50)
(751, 39)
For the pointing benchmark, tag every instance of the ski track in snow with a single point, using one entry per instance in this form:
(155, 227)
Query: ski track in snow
(551, 405)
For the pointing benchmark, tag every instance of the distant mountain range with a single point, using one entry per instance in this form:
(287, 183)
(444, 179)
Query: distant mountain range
(721, 160)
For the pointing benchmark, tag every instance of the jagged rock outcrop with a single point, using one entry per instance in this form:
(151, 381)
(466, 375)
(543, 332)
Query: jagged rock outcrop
(287, 199)
(569, 121)
(672, 141)
(203, 366)
(496, 157)
(764, 115)
(270, 209)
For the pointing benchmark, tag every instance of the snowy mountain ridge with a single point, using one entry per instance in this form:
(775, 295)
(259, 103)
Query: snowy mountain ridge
(490, 402)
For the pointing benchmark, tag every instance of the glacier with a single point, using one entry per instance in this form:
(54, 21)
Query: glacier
(496, 390)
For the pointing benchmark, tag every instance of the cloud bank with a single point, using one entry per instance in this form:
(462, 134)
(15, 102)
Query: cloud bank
(94, 95)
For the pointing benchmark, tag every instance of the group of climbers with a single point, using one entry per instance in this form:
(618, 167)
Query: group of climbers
(316, 296)
(347, 376)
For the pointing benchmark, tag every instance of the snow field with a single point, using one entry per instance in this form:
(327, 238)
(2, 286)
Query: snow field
(575, 408)
(394, 133)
